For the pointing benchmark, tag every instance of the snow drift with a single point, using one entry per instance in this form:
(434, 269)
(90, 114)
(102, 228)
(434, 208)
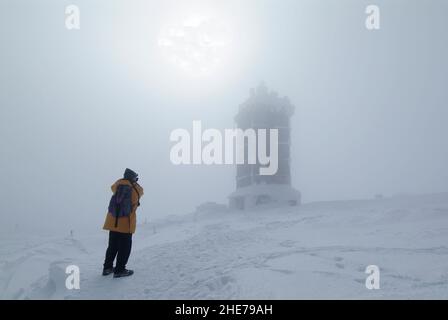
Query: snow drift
(317, 250)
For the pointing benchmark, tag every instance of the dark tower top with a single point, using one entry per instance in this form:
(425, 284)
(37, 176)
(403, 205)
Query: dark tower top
(264, 109)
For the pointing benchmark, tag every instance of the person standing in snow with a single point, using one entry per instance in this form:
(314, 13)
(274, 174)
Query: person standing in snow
(121, 221)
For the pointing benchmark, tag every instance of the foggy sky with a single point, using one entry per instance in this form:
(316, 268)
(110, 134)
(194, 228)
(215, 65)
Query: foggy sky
(78, 107)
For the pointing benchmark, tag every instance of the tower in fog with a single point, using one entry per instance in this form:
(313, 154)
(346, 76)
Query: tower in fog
(264, 109)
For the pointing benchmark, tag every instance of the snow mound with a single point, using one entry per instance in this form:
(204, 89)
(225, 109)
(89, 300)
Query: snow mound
(317, 250)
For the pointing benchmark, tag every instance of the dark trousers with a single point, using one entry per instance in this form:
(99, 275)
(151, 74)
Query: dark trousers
(120, 245)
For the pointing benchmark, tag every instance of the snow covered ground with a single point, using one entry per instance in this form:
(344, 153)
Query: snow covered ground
(317, 250)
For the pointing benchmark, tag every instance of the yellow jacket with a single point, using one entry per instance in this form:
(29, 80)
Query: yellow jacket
(125, 224)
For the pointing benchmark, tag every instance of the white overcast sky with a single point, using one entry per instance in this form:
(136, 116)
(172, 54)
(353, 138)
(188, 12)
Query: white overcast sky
(77, 107)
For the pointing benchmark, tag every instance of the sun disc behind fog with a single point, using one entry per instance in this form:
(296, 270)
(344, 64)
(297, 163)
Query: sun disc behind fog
(198, 46)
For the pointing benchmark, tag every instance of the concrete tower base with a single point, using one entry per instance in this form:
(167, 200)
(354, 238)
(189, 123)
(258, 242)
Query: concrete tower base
(263, 195)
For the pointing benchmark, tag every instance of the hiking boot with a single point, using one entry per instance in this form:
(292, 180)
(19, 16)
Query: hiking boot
(123, 273)
(108, 271)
